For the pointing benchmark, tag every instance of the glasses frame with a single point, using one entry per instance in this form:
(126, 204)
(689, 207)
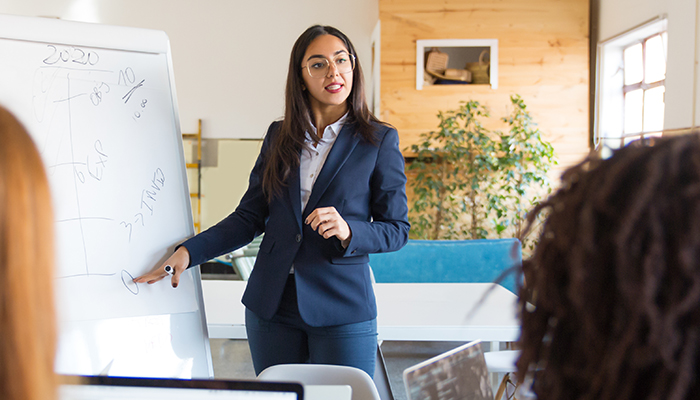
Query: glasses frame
(353, 61)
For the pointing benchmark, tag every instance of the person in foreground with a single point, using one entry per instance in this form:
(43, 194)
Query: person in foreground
(327, 189)
(614, 282)
(27, 324)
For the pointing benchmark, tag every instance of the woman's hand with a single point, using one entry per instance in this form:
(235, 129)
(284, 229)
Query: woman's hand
(328, 223)
(179, 261)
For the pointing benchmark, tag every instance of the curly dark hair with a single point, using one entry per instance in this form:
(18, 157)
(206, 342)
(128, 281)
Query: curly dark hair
(611, 303)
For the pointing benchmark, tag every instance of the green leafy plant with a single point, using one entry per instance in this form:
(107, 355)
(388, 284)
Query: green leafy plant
(473, 183)
(524, 163)
(447, 175)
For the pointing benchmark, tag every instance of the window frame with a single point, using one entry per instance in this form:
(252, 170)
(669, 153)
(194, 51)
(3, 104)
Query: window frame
(610, 87)
(627, 137)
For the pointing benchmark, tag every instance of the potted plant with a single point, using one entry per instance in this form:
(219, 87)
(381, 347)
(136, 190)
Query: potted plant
(470, 182)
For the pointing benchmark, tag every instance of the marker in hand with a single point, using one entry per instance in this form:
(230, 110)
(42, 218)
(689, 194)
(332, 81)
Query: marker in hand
(170, 270)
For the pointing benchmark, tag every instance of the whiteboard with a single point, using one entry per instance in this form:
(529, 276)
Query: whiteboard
(100, 104)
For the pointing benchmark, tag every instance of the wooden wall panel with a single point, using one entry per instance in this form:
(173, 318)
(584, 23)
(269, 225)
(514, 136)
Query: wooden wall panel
(543, 54)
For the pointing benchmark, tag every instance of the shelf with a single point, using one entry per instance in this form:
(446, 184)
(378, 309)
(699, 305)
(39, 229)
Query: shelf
(198, 166)
(460, 52)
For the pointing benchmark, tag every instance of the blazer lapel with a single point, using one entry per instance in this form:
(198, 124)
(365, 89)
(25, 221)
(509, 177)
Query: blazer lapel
(294, 187)
(344, 145)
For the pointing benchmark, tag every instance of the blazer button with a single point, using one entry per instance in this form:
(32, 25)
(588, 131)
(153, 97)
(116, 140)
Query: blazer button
(298, 237)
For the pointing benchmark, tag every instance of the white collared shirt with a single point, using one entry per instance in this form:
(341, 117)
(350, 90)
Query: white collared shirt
(313, 158)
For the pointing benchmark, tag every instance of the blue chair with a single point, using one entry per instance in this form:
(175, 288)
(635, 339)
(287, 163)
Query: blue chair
(449, 261)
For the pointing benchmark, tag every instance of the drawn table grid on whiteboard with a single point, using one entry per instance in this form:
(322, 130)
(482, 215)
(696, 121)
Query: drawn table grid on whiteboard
(90, 163)
(105, 122)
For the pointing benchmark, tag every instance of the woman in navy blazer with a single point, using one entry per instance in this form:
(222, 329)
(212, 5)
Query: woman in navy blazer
(327, 189)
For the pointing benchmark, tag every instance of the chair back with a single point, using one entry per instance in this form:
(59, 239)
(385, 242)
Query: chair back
(362, 385)
(449, 261)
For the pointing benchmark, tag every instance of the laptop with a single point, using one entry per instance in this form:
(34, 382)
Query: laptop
(118, 388)
(457, 374)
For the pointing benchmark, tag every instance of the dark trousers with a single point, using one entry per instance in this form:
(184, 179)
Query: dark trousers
(287, 339)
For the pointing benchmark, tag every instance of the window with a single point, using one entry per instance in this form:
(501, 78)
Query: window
(631, 85)
(644, 69)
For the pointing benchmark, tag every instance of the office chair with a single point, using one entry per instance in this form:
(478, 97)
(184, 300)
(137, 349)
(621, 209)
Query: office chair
(363, 387)
(503, 362)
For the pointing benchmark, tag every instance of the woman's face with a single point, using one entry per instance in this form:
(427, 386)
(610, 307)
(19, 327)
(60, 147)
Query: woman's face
(331, 65)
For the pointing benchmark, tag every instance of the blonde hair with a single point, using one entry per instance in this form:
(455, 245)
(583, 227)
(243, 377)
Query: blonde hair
(27, 320)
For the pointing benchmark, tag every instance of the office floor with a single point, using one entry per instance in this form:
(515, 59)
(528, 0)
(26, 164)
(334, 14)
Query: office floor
(231, 359)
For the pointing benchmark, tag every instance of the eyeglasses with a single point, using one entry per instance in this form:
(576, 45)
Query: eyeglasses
(318, 67)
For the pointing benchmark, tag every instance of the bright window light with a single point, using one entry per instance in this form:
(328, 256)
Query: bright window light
(655, 59)
(654, 109)
(634, 71)
(634, 108)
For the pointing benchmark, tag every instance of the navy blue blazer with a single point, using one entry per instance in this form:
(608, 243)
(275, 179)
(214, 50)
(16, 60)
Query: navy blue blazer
(366, 184)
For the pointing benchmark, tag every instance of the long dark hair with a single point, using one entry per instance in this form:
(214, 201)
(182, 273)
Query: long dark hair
(283, 155)
(615, 279)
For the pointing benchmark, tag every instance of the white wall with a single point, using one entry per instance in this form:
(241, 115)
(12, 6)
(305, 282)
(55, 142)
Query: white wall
(617, 16)
(230, 57)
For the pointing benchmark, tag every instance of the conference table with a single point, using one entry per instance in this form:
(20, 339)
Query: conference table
(407, 311)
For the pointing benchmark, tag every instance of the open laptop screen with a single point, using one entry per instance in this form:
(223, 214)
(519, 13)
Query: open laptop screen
(118, 388)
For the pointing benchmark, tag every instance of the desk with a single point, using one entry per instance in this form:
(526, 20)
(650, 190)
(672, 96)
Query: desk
(446, 312)
(223, 309)
(407, 311)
